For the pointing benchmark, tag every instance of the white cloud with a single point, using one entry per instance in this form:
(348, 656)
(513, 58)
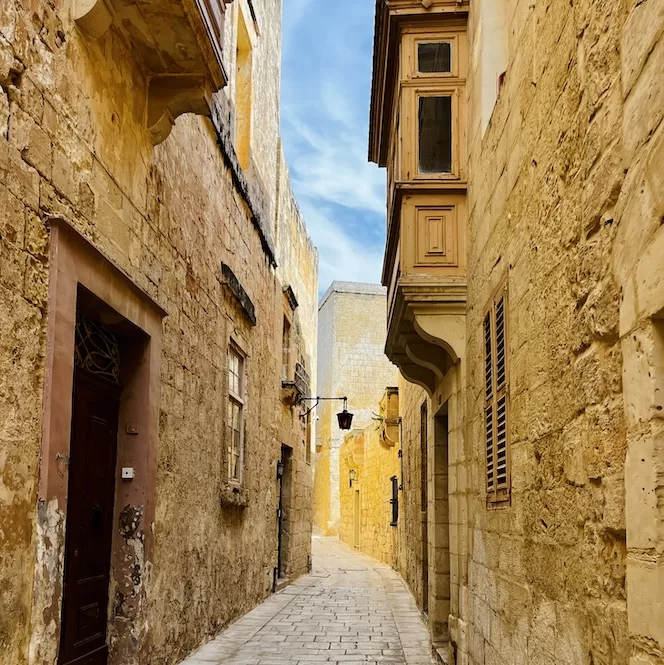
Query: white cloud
(333, 166)
(325, 113)
(341, 257)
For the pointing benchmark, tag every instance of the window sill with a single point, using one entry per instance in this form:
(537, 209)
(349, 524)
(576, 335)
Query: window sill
(234, 496)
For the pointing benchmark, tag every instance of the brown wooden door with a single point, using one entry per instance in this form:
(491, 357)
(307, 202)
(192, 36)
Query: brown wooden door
(90, 502)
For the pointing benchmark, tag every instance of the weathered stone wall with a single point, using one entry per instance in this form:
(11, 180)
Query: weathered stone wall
(298, 270)
(547, 574)
(565, 199)
(73, 144)
(373, 455)
(411, 398)
(351, 363)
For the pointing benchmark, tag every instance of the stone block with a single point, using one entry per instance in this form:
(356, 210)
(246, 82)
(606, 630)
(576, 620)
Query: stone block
(641, 512)
(639, 381)
(644, 107)
(640, 34)
(22, 180)
(649, 278)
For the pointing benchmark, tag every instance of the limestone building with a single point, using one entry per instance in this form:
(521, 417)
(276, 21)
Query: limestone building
(524, 147)
(155, 273)
(351, 325)
(370, 475)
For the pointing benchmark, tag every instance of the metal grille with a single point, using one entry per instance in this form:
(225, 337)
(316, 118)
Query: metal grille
(96, 349)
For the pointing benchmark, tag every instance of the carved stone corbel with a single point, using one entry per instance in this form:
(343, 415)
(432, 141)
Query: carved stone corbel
(94, 17)
(172, 95)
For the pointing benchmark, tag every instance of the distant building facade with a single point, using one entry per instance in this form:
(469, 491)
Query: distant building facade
(370, 475)
(351, 325)
(524, 146)
(156, 470)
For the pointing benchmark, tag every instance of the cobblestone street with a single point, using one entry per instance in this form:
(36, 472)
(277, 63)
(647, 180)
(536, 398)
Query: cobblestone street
(350, 609)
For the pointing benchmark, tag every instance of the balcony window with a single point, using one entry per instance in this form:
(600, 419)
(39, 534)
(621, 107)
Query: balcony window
(435, 135)
(434, 57)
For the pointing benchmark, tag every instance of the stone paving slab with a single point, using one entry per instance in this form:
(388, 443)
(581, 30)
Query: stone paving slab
(350, 609)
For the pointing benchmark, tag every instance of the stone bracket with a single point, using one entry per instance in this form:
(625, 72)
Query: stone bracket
(94, 17)
(172, 95)
(427, 329)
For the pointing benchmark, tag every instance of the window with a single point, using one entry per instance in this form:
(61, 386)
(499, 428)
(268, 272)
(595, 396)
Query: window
(496, 393)
(235, 422)
(285, 351)
(432, 113)
(435, 134)
(243, 93)
(394, 501)
(434, 57)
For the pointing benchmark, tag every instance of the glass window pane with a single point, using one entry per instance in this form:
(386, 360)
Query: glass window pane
(434, 58)
(435, 135)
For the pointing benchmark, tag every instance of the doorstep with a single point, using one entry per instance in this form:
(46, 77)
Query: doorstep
(441, 653)
(282, 583)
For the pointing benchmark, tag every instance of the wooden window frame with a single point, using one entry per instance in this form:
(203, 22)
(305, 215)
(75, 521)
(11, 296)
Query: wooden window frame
(496, 392)
(409, 130)
(236, 399)
(415, 84)
(455, 32)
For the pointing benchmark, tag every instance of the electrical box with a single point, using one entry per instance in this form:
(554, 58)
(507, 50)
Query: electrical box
(128, 473)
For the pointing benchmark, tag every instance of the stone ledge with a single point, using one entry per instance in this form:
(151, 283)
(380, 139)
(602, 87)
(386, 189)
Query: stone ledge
(230, 280)
(234, 496)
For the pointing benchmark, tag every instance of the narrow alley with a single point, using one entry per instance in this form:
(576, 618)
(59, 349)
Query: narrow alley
(350, 609)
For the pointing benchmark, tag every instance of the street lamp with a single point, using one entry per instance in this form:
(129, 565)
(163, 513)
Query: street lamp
(351, 476)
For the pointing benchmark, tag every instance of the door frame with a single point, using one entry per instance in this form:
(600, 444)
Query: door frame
(74, 263)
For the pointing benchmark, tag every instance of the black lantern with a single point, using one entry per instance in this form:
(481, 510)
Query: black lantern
(280, 469)
(351, 476)
(345, 419)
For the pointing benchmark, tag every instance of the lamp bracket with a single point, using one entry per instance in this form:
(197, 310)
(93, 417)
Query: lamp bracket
(317, 400)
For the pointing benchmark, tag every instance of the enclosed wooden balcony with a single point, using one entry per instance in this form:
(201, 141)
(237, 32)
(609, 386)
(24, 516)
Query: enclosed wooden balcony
(418, 132)
(177, 42)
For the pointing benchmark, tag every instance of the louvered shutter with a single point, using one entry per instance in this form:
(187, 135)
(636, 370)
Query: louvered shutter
(496, 373)
(500, 446)
(488, 393)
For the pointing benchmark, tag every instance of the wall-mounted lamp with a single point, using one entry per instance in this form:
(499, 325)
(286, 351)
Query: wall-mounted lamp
(344, 417)
(351, 476)
(280, 469)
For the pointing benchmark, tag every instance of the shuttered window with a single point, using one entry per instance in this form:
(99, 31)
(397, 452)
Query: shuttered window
(496, 394)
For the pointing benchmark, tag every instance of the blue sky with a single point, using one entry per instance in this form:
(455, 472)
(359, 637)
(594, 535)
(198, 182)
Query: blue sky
(326, 81)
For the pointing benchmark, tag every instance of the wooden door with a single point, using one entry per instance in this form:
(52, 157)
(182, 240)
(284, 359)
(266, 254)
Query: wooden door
(93, 454)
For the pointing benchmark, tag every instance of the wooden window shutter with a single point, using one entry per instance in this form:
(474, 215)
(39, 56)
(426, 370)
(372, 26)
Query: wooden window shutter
(496, 410)
(488, 411)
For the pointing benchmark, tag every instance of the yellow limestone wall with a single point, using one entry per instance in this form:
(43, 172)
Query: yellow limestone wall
(566, 199)
(351, 363)
(73, 144)
(373, 453)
